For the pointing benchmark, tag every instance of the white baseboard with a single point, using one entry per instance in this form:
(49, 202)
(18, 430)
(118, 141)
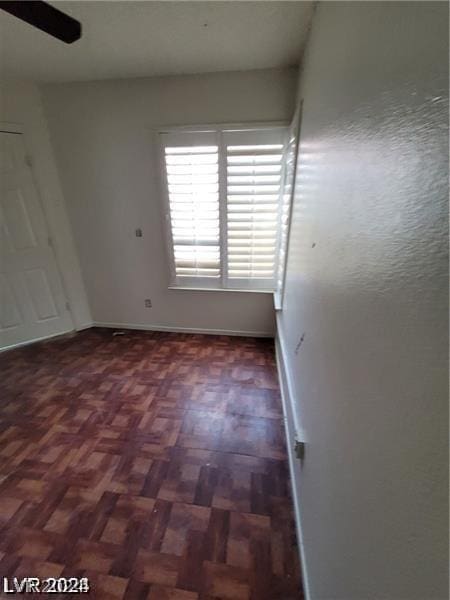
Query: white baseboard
(145, 327)
(84, 326)
(287, 397)
(35, 340)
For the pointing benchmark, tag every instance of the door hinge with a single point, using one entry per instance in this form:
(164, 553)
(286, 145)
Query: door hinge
(29, 160)
(50, 242)
(67, 305)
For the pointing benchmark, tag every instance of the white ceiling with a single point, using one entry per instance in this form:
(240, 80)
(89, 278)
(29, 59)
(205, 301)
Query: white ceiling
(141, 39)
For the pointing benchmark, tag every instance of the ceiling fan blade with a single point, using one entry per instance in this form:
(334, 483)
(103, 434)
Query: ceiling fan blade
(45, 17)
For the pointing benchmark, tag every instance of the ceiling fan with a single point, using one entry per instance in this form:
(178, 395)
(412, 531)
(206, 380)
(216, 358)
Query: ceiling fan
(45, 17)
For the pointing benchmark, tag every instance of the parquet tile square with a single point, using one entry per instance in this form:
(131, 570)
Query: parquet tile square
(158, 592)
(156, 567)
(152, 463)
(223, 581)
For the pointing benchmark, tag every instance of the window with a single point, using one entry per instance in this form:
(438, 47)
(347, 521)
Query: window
(225, 208)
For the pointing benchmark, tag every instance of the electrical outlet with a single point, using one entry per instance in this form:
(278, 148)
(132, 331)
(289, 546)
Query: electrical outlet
(138, 232)
(147, 303)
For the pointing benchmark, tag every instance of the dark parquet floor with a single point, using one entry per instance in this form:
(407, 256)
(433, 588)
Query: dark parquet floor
(152, 463)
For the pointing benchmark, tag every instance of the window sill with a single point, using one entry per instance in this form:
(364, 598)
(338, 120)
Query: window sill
(206, 289)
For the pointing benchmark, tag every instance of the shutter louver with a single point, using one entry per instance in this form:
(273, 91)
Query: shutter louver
(192, 173)
(254, 177)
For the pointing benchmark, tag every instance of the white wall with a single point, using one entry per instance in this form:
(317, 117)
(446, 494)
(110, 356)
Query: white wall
(102, 137)
(367, 286)
(21, 104)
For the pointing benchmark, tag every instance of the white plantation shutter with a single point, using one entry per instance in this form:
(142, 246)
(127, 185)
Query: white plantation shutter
(192, 177)
(224, 210)
(253, 177)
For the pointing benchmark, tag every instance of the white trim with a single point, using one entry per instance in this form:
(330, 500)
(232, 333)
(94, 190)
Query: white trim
(145, 327)
(168, 328)
(163, 191)
(84, 326)
(34, 340)
(6, 127)
(280, 208)
(291, 431)
(247, 125)
(190, 288)
(297, 132)
(277, 300)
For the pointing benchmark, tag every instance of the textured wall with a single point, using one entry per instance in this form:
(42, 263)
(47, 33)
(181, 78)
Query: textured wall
(103, 141)
(367, 286)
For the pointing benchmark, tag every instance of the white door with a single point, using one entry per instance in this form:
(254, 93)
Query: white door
(32, 300)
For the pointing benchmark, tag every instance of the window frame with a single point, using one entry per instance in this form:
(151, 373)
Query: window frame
(198, 283)
(291, 172)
